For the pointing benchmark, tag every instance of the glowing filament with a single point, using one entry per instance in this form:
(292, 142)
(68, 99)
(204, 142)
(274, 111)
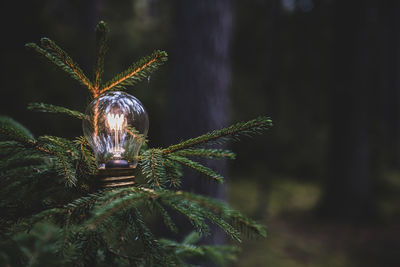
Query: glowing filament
(116, 123)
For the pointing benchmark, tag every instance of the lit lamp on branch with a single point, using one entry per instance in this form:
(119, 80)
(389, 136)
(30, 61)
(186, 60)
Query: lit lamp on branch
(116, 126)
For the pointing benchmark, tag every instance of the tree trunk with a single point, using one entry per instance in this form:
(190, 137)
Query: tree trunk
(348, 190)
(390, 82)
(199, 97)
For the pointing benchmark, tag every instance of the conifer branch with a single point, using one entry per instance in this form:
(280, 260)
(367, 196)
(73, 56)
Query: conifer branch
(83, 204)
(82, 142)
(206, 208)
(135, 133)
(10, 130)
(19, 158)
(137, 71)
(43, 149)
(235, 131)
(111, 195)
(197, 209)
(174, 173)
(101, 49)
(43, 215)
(90, 242)
(59, 57)
(42, 107)
(103, 213)
(190, 211)
(103, 227)
(96, 118)
(152, 165)
(145, 234)
(242, 222)
(153, 169)
(18, 141)
(166, 218)
(51, 46)
(198, 167)
(66, 228)
(206, 153)
(66, 154)
(187, 249)
(8, 148)
(62, 149)
(245, 224)
(66, 169)
(88, 160)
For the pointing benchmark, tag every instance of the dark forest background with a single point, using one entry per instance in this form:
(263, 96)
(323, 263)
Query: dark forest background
(325, 179)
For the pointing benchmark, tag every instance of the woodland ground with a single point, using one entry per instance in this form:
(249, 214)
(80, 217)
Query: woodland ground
(297, 238)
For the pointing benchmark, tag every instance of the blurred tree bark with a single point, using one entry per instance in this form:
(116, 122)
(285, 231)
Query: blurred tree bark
(390, 81)
(270, 68)
(348, 192)
(199, 97)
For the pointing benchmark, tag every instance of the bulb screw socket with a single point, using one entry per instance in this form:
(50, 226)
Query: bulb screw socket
(116, 177)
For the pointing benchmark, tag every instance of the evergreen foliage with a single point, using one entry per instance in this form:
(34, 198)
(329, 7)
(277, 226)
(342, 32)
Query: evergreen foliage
(135, 73)
(233, 132)
(54, 213)
(42, 107)
(59, 57)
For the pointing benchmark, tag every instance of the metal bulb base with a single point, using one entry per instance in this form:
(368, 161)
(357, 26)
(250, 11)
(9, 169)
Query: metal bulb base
(117, 163)
(116, 177)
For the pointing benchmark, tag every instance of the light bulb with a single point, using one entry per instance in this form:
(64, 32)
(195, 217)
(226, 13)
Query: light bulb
(115, 126)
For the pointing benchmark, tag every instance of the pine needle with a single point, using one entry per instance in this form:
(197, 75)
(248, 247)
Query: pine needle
(198, 167)
(206, 153)
(137, 72)
(152, 165)
(10, 130)
(235, 131)
(42, 107)
(59, 57)
(101, 49)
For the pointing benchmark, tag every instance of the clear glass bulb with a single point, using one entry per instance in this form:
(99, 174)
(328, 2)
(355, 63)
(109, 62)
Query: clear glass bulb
(116, 126)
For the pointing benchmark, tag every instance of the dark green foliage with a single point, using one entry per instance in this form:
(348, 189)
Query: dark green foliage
(153, 167)
(59, 57)
(174, 173)
(85, 218)
(188, 249)
(87, 162)
(53, 212)
(206, 153)
(161, 169)
(101, 47)
(165, 216)
(245, 225)
(137, 72)
(233, 132)
(132, 131)
(66, 155)
(198, 167)
(42, 107)
(11, 130)
(39, 247)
